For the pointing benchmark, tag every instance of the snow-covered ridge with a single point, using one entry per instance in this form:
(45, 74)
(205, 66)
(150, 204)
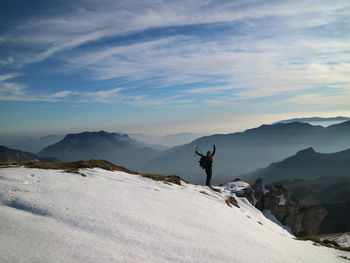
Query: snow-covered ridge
(111, 216)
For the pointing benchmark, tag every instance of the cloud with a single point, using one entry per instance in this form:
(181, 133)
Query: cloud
(231, 50)
(9, 90)
(13, 91)
(211, 90)
(101, 96)
(6, 61)
(82, 22)
(264, 69)
(321, 99)
(8, 76)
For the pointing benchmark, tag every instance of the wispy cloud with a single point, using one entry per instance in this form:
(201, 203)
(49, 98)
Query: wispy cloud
(8, 76)
(82, 22)
(321, 99)
(258, 49)
(12, 91)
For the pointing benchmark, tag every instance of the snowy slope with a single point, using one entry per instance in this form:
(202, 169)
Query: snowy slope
(52, 216)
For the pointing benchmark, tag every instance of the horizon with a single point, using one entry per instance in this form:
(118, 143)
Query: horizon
(324, 123)
(159, 67)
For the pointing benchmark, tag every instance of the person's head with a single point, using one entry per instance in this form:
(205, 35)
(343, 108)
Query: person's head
(209, 153)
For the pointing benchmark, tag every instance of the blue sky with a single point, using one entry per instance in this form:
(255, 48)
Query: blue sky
(161, 67)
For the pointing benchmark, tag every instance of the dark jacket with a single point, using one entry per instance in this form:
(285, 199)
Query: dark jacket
(208, 160)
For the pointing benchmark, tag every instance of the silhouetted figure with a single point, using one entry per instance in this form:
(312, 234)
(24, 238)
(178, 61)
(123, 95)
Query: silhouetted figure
(206, 162)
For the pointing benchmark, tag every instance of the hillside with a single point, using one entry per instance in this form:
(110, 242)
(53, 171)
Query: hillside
(242, 152)
(305, 164)
(113, 216)
(327, 189)
(13, 155)
(318, 120)
(166, 141)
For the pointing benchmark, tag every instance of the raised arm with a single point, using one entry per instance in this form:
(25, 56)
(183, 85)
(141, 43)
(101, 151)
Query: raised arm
(214, 149)
(199, 154)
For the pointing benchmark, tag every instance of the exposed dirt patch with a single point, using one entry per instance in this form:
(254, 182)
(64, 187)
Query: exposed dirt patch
(170, 178)
(205, 193)
(73, 167)
(215, 189)
(231, 201)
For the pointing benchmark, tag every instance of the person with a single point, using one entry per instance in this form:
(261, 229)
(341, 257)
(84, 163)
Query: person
(206, 163)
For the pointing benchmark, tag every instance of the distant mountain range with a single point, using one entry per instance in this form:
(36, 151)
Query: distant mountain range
(12, 155)
(157, 142)
(29, 143)
(322, 190)
(242, 152)
(161, 142)
(316, 119)
(114, 147)
(306, 164)
(237, 153)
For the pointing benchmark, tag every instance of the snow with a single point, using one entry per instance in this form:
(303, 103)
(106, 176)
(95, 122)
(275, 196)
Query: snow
(268, 214)
(281, 200)
(52, 216)
(265, 190)
(236, 187)
(344, 240)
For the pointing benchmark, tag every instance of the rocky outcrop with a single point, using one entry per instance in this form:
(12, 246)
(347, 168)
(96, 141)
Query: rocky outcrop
(303, 220)
(232, 201)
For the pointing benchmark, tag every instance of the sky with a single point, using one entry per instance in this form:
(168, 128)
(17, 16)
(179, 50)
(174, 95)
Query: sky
(161, 66)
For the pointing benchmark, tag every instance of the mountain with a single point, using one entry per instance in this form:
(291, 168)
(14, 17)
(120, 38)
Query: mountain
(166, 141)
(29, 143)
(325, 122)
(114, 147)
(13, 155)
(242, 152)
(112, 216)
(305, 164)
(317, 119)
(322, 190)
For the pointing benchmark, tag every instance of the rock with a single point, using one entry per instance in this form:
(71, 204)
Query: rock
(248, 193)
(303, 220)
(173, 179)
(312, 218)
(231, 201)
(258, 193)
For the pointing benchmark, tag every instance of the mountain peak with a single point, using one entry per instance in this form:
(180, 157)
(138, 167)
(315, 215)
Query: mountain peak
(287, 126)
(306, 151)
(342, 124)
(99, 134)
(114, 147)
